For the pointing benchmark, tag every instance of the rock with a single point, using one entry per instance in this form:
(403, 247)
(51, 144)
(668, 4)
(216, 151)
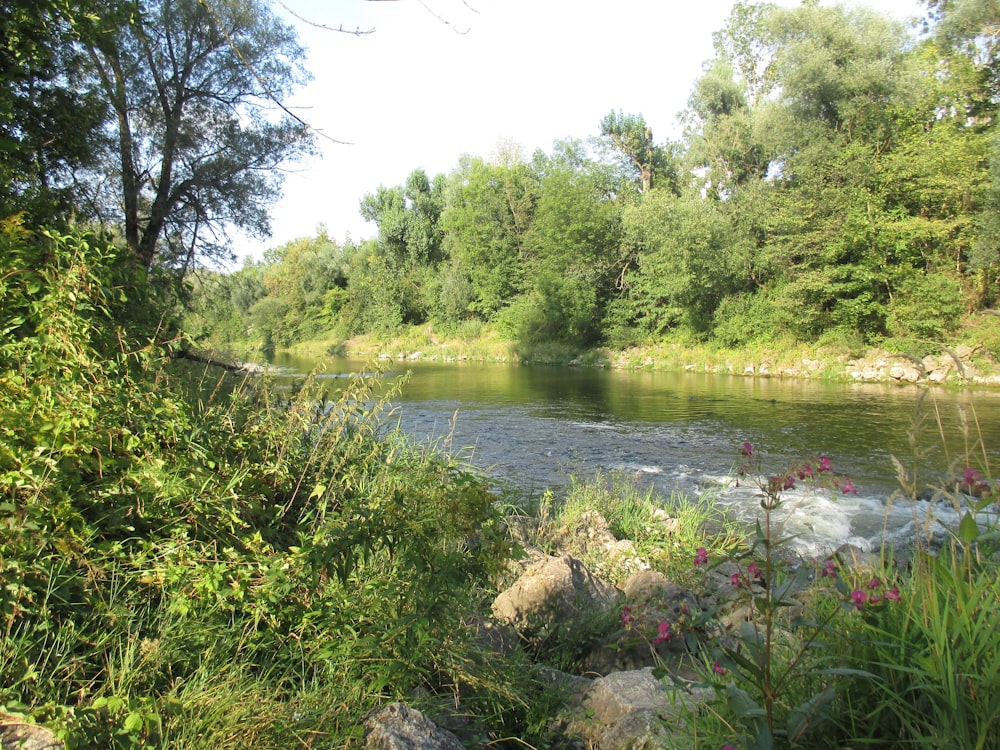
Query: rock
(667, 523)
(556, 591)
(591, 533)
(651, 599)
(497, 637)
(620, 693)
(399, 727)
(852, 556)
(634, 710)
(18, 735)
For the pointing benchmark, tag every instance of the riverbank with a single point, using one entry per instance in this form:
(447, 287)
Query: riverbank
(954, 365)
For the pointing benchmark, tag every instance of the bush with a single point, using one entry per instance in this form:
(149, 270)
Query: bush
(745, 319)
(180, 548)
(926, 306)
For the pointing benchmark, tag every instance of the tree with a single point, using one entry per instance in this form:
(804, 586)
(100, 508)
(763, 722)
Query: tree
(407, 217)
(489, 211)
(632, 138)
(47, 121)
(198, 138)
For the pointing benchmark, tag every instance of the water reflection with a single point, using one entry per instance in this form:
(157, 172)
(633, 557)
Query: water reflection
(536, 426)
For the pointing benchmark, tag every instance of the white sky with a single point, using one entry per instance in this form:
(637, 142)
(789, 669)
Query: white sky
(417, 94)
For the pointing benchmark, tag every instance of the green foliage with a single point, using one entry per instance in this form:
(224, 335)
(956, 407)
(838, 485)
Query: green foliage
(937, 679)
(49, 124)
(746, 319)
(197, 148)
(926, 307)
(179, 546)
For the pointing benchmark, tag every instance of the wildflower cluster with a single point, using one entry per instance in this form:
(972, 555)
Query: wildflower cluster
(752, 576)
(973, 483)
(875, 594)
(665, 630)
(806, 471)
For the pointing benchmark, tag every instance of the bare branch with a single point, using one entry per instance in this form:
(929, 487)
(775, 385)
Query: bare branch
(340, 29)
(263, 84)
(443, 20)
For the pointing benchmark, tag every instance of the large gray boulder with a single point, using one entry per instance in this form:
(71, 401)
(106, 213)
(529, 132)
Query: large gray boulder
(399, 727)
(634, 710)
(15, 734)
(557, 591)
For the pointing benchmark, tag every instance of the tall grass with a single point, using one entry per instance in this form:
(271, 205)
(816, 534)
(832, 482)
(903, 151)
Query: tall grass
(189, 559)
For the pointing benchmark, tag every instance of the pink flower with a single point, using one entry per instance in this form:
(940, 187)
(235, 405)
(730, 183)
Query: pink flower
(746, 450)
(874, 599)
(859, 597)
(753, 572)
(892, 594)
(829, 569)
(874, 583)
(971, 476)
(718, 668)
(824, 464)
(701, 556)
(805, 472)
(735, 580)
(627, 618)
(848, 486)
(780, 483)
(664, 633)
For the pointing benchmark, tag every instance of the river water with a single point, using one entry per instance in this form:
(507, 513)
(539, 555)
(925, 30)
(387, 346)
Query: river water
(535, 427)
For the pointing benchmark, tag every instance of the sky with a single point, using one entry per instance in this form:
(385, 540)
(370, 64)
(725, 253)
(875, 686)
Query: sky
(441, 78)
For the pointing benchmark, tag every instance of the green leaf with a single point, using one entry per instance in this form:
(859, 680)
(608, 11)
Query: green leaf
(968, 529)
(807, 713)
(133, 723)
(742, 704)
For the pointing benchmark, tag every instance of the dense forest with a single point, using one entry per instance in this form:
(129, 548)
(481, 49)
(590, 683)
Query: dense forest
(838, 181)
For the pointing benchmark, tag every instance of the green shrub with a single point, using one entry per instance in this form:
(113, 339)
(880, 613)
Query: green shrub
(176, 543)
(926, 306)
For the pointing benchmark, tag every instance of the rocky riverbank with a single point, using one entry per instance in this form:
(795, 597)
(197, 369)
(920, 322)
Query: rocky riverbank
(641, 677)
(959, 365)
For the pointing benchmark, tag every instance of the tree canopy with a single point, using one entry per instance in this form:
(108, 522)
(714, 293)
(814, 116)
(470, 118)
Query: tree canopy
(837, 180)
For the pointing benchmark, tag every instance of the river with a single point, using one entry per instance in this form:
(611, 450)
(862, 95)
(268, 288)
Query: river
(535, 427)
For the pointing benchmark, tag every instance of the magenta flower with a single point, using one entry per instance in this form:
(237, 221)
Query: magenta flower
(971, 476)
(848, 486)
(664, 633)
(874, 599)
(859, 598)
(728, 747)
(780, 483)
(805, 472)
(701, 556)
(753, 572)
(874, 583)
(627, 618)
(718, 668)
(746, 450)
(735, 580)
(892, 594)
(829, 569)
(824, 464)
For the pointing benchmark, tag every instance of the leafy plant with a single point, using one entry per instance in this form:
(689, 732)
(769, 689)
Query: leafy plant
(780, 679)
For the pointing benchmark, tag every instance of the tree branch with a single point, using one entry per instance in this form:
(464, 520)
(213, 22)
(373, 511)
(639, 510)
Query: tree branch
(340, 29)
(263, 84)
